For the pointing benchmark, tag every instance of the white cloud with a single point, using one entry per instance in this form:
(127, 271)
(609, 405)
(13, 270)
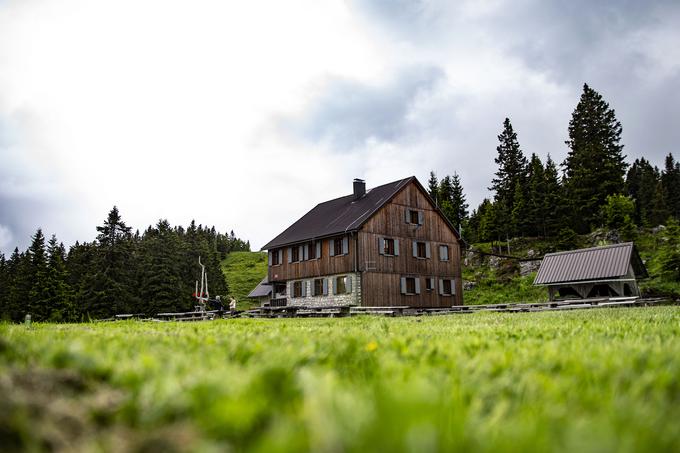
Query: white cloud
(6, 237)
(165, 107)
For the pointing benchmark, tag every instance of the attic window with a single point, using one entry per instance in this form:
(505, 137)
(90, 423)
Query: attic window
(414, 217)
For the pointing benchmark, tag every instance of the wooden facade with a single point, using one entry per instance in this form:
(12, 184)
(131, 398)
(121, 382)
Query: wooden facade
(383, 276)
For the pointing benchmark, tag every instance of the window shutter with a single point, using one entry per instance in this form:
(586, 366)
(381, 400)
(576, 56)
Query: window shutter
(318, 250)
(290, 254)
(280, 252)
(431, 282)
(407, 216)
(335, 286)
(304, 288)
(420, 217)
(403, 285)
(291, 293)
(381, 246)
(417, 285)
(345, 245)
(331, 247)
(301, 253)
(325, 287)
(305, 254)
(453, 287)
(441, 286)
(427, 250)
(349, 284)
(396, 247)
(270, 258)
(415, 248)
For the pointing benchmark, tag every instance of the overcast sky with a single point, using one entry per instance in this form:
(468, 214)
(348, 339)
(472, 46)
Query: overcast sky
(244, 115)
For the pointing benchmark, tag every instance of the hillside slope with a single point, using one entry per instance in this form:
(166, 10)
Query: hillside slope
(243, 271)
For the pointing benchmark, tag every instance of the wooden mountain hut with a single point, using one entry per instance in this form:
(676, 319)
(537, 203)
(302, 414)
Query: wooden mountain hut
(608, 271)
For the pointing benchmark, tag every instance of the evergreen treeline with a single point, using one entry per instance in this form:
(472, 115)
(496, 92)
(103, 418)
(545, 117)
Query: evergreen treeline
(594, 187)
(119, 272)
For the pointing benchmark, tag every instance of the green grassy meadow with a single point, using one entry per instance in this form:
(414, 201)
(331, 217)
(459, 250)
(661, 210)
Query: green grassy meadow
(243, 271)
(591, 380)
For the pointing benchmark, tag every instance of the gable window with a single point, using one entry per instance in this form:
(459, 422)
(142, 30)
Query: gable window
(410, 285)
(443, 252)
(414, 217)
(447, 287)
(320, 287)
(338, 246)
(421, 249)
(342, 285)
(389, 247)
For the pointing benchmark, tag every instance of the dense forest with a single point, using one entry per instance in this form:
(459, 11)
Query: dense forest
(119, 272)
(593, 188)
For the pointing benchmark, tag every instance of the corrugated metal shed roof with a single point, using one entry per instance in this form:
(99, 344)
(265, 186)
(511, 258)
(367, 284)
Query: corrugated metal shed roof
(595, 263)
(262, 289)
(338, 216)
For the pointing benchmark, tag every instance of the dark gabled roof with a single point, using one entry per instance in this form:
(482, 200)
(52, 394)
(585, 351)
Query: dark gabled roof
(594, 263)
(262, 289)
(338, 216)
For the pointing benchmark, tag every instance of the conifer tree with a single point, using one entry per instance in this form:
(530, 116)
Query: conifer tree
(433, 187)
(37, 277)
(58, 291)
(536, 202)
(162, 288)
(4, 288)
(660, 212)
(512, 169)
(19, 286)
(553, 199)
(460, 207)
(670, 180)
(518, 215)
(595, 165)
(641, 182)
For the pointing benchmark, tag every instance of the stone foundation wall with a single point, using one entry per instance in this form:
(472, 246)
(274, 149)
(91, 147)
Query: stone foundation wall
(353, 298)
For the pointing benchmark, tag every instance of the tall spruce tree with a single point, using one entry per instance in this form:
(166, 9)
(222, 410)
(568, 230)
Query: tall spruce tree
(37, 276)
(59, 296)
(19, 285)
(4, 288)
(595, 165)
(553, 199)
(535, 200)
(641, 183)
(512, 170)
(670, 180)
(433, 187)
(459, 212)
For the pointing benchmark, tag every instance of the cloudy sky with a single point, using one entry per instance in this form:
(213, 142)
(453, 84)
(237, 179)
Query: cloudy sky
(244, 115)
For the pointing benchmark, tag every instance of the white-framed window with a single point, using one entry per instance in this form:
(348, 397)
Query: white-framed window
(275, 257)
(447, 287)
(443, 252)
(410, 286)
(298, 289)
(338, 246)
(320, 287)
(429, 284)
(342, 284)
(388, 246)
(414, 216)
(421, 249)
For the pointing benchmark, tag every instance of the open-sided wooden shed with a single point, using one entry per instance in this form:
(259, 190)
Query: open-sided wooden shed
(608, 271)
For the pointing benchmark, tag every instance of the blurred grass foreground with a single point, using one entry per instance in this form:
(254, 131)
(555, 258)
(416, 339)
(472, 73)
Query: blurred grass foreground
(596, 380)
